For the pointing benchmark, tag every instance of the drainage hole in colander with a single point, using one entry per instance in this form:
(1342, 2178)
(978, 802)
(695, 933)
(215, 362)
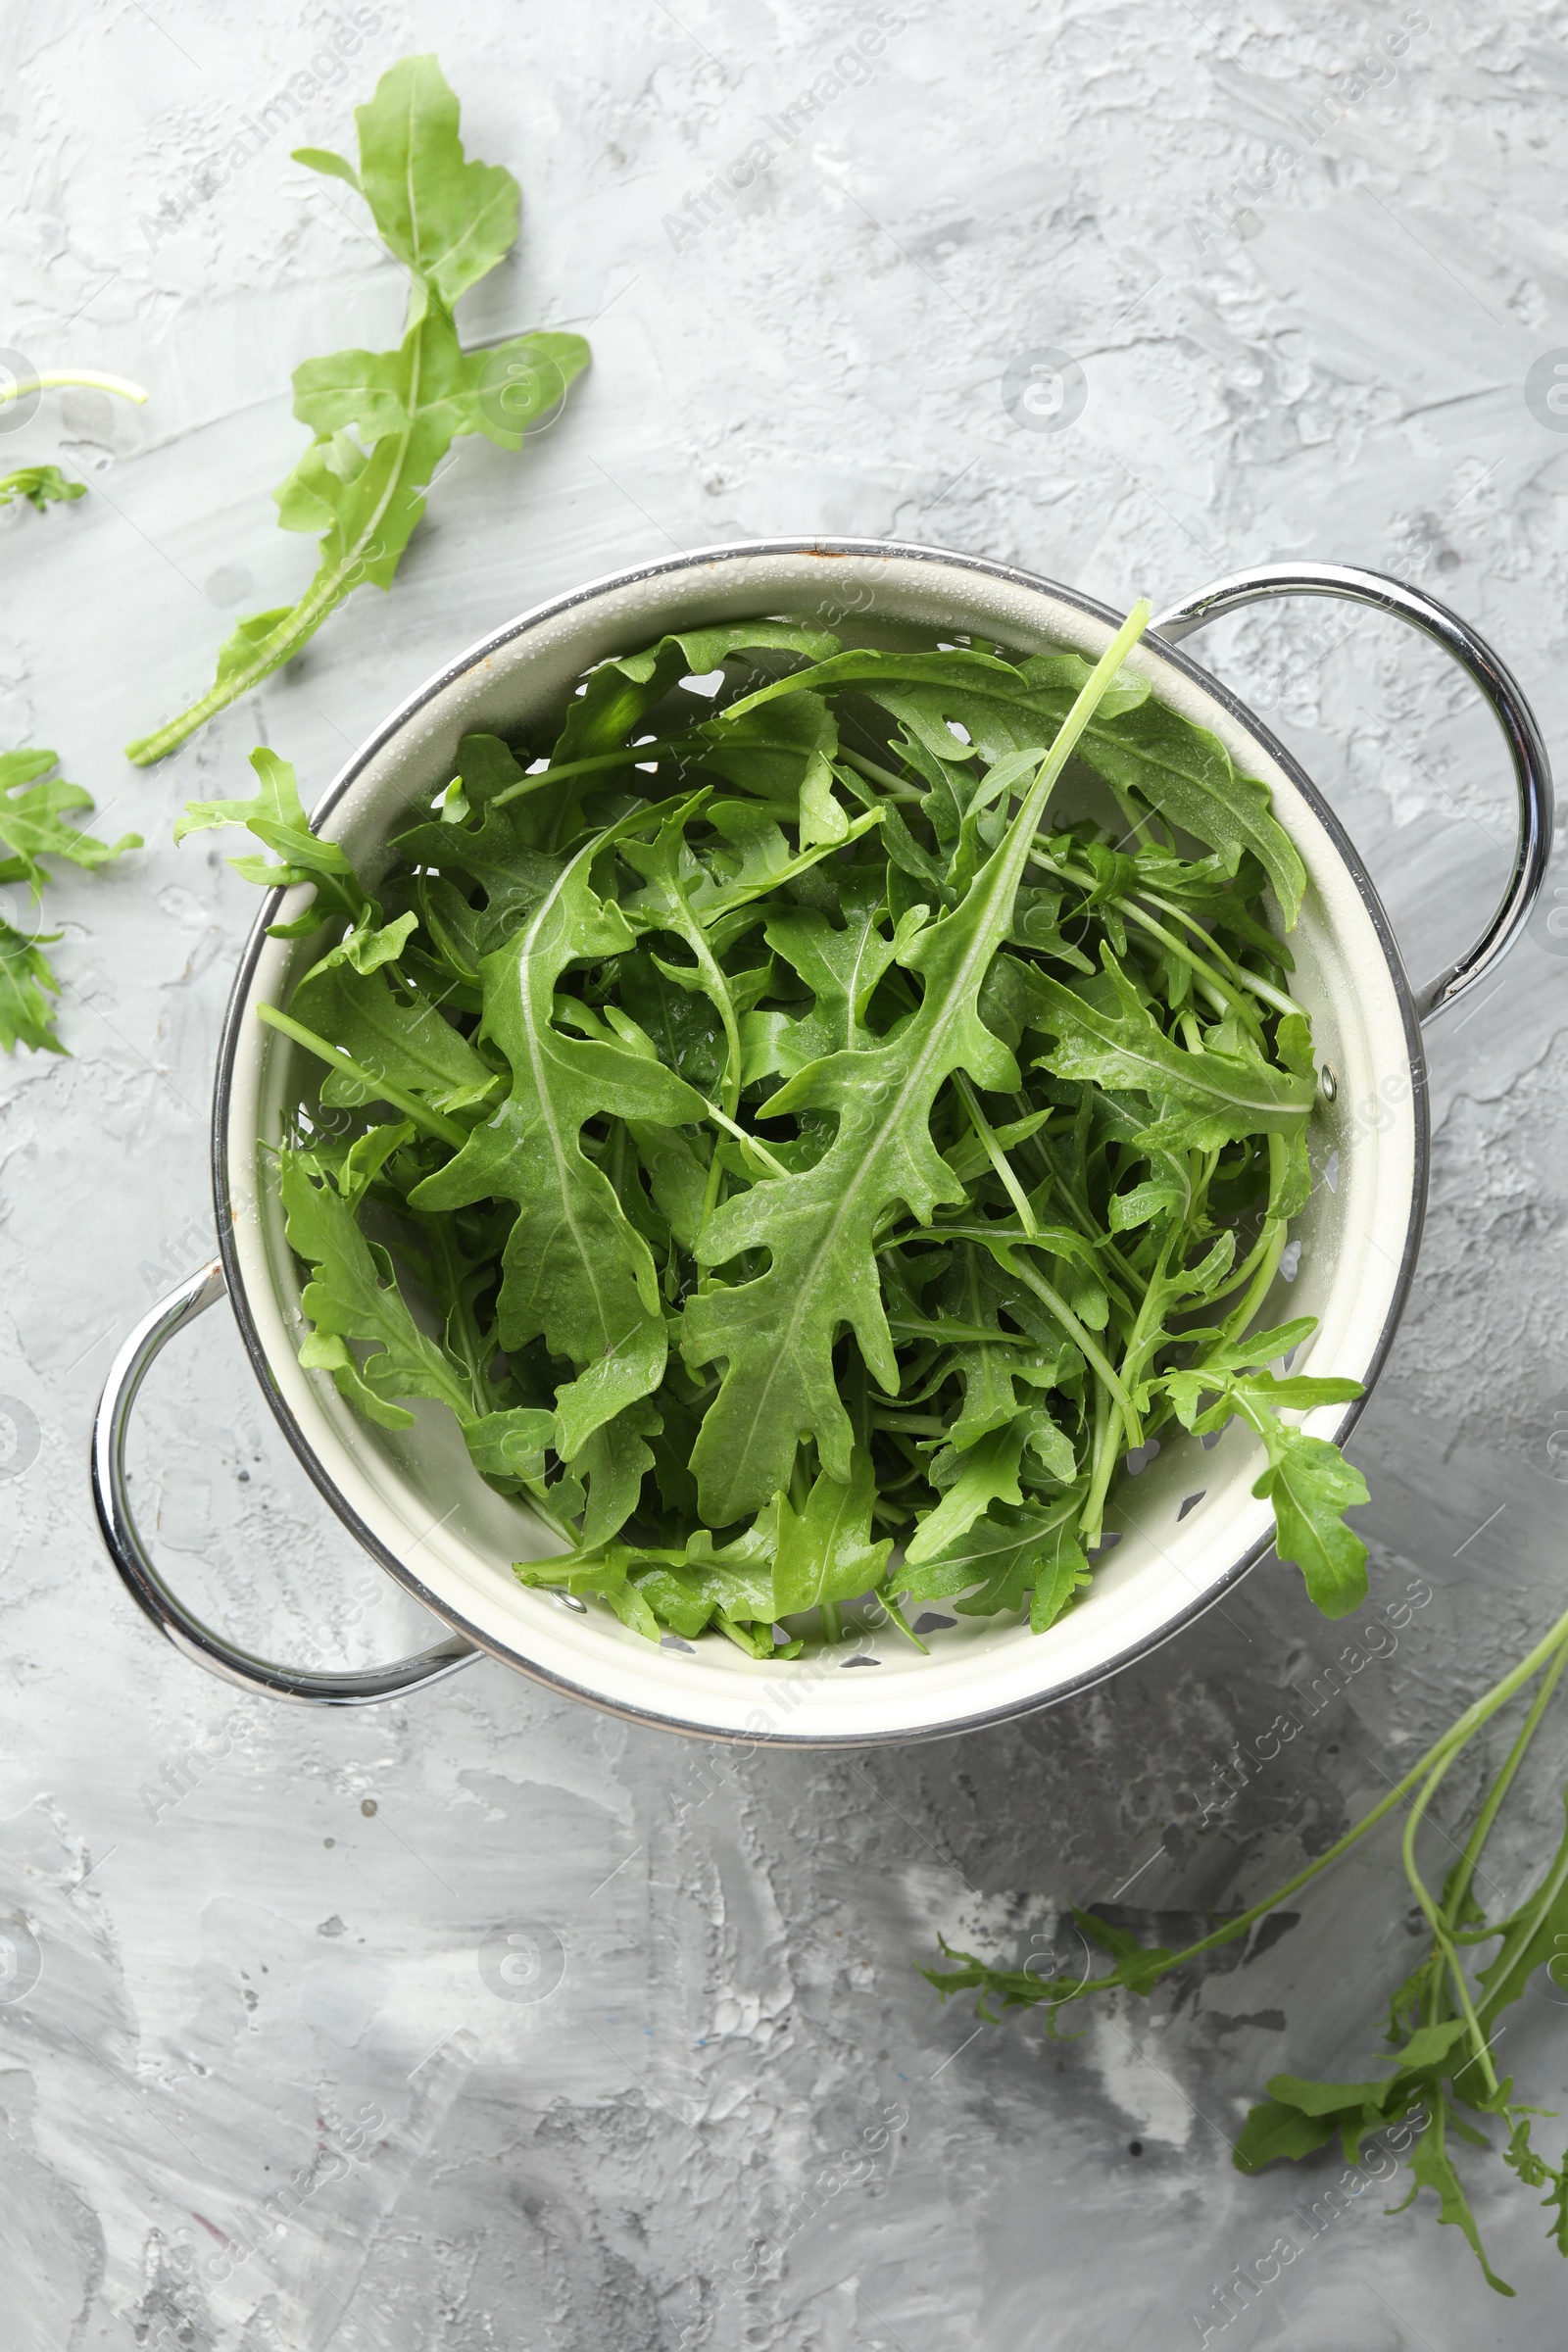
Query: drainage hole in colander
(1191, 1505)
(930, 1622)
(1140, 1456)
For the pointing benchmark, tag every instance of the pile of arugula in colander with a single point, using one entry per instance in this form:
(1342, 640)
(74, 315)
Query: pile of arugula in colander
(804, 1162)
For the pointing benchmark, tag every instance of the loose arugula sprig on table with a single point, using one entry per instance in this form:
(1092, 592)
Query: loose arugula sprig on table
(38, 485)
(34, 807)
(32, 810)
(384, 419)
(803, 1161)
(1442, 2026)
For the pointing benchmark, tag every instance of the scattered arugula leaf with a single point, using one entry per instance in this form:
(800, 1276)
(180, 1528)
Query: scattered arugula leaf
(34, 807)
(383, 421)
(32, 811)
(38, 484)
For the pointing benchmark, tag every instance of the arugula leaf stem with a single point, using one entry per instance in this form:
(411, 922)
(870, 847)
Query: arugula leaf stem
(1522, 1929)
(1108, 1422)
(971, 1335)
(1438, 1921)
(1225, 998)
(1265, 989)
(1493, 1927)
(752, 1142)
(1477, 1714)
(995, 1153)
(713, 1191)
(896, 788)
(1221, 994)
(1269, 1250)
(543, 1508)
(459, 1324)
(88, 378)
(434, 1122)
(631, 755)
(1081, 1338)
(1104, 1244)
(1458, 1885)
(734, 1633)
(1141, 1340)
(890, 1602)
(1148, 1332)
(327, 590)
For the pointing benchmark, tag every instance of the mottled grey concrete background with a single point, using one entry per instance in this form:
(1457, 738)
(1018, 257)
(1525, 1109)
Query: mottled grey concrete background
(265, 1987)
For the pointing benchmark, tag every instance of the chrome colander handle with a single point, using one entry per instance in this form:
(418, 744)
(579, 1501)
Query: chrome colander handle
(1498, 687)
(341, 1687)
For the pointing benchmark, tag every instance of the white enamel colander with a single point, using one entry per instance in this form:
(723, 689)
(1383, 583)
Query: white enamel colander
(1187, 1527)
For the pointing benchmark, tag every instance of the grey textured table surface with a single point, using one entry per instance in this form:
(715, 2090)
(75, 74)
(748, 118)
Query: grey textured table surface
(259, 1929)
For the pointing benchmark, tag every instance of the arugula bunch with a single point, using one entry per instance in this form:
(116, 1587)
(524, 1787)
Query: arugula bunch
(803, 1163)
(1443, 2026)
(383, 421)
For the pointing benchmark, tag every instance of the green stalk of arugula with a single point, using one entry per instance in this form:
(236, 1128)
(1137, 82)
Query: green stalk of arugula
(376, 1088)
(1442, 2029)
(383, 421)
(56, 378)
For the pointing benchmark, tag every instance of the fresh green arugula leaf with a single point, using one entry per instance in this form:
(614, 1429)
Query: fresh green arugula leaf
(26, 974)
(824, 1554)
(383, 421)
(1308, 1480)
(275, 816)
(1203, 1101)
(33, 826)
(348, 1298)
(1187, 777)
(1004, 1556)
